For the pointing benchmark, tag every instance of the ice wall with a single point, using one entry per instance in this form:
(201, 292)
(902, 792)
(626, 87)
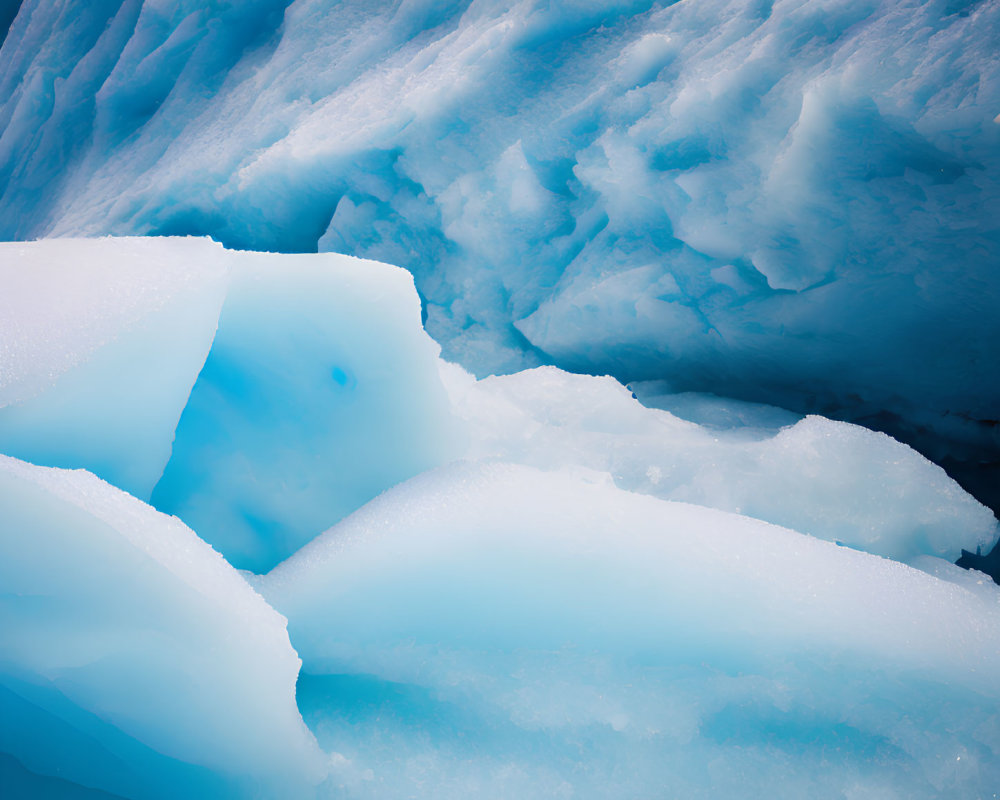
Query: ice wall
(794, 202)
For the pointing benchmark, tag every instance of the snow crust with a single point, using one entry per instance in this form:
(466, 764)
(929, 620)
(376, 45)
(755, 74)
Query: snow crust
(101, 344)
(794, 202)
(833, 480)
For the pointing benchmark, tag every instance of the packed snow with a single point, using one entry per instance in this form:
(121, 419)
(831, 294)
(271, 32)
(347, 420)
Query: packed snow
(794, 202)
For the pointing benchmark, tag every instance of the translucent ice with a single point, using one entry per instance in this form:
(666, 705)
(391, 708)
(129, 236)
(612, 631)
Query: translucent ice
(320, 391)
(133, 658)
(494, 630)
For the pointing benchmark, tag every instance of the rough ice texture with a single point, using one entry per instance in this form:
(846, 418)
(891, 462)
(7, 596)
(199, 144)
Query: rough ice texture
(494, 630)
(795, 201)
(134, 659)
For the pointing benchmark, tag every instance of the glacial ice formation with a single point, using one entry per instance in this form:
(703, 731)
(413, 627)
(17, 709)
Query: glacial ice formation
(320, 390)
(524, 609)
(795, 202)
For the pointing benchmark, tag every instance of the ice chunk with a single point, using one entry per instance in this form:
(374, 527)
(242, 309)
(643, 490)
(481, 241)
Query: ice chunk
(833, 480)
(321, 390)
(497, 630)
(135, 660)
(100, 344)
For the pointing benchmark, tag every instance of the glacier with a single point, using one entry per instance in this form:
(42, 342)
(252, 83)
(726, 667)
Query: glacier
(792, 202)
(353, 569)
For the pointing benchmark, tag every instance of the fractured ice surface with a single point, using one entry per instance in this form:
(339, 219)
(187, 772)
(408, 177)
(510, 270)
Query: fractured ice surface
(495, 630)
(524, 611)
(796, 202)
(133, 658)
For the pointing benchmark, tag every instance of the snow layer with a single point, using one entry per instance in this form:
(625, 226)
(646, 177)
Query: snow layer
(134, 659)
(499, 631)
(792, 201)
(833, 480)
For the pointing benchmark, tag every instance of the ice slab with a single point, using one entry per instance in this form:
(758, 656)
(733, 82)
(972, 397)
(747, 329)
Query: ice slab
(320, 391)
(498, 630)
(134, 659)
(101, 343)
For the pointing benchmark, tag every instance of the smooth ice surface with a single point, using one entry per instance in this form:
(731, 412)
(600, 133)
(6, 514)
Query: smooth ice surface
(794, 202)
(833, 480)
(133, 658)
(493, 630)
(100, 344)
(320, 391)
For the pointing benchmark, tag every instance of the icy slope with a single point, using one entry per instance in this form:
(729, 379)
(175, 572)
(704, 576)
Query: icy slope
(795, 202)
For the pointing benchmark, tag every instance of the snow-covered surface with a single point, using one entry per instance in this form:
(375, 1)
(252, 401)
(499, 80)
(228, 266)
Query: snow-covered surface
(793, 201)
(511, 601)
(492, 630)
(833, 480)
(133, 658)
